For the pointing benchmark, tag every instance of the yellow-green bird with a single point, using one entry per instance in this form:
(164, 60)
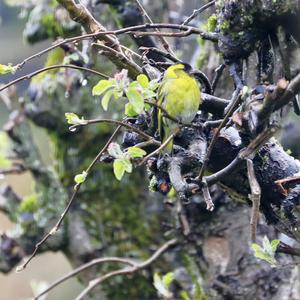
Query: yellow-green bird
(180, 96)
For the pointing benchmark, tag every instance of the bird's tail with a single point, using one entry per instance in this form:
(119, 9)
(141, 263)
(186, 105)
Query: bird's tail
(169, 147)
(168, 140)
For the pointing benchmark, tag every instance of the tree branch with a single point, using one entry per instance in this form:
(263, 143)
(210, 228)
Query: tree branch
(127, 271)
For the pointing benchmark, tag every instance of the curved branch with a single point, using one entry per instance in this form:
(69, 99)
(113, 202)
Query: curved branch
(132, 128)
(126, 271)
(29, 76)
(206, 35)
(198, 11)
(83, 267)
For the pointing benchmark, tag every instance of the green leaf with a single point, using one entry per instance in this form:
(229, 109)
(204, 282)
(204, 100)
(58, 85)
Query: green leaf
(245, 91)
(259, 253)
(153, 85)
(136, 152)
(135, 99)
(114, 150)
(143, 80)
(29, 204)
(147, 94)
(212, 22)
(80, 178)
(101, 87)
(106, 98)
(4, 69)
(74, 119)
(267, 252)
(256, 247)
(4, 150)
(129, 110)
(274, 245)
(121, 165)
(184, 295)
(160, 287)
(119, 169)
(267, 246)
(127, 165)
(117, 94)
(153, 184)
(168, 279)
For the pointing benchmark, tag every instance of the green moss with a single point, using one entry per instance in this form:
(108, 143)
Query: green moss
(225, 25)
(289, 151)
(212, 22)
(153, 184)
(51, 25)
(201, 59)
(193, 270)
(29, 204)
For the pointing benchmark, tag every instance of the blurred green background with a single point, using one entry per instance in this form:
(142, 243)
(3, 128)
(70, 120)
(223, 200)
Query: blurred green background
(49, 266)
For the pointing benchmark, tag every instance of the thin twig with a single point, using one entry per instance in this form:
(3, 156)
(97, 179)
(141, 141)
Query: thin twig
(255, 199)
(145, 144)
(292, 90)
(29, 76)
(66, 210)
(284, 248)
(83, 267)
(128, 270)
(15, 169)
(218, 73)
(196, 12)
(245, 153)
(162, 39)
(168, 116)
(206, 35)
(158, 150)
(110, 52)
(162, 33)
(233, 104)
(186, 228)
(131, 51)
(161, 52)
(121, 123)
(192, 30)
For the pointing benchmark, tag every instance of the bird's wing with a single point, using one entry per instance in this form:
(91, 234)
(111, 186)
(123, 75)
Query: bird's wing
(159, 115)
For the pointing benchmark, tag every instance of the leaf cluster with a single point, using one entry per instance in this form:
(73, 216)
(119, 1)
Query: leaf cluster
(136, 92)
(122, 162)
(267, 251)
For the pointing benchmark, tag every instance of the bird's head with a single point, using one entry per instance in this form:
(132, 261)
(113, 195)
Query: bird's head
(172, 71)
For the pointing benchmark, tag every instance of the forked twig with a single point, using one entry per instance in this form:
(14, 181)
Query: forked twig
(161, 38)
(196, 12)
